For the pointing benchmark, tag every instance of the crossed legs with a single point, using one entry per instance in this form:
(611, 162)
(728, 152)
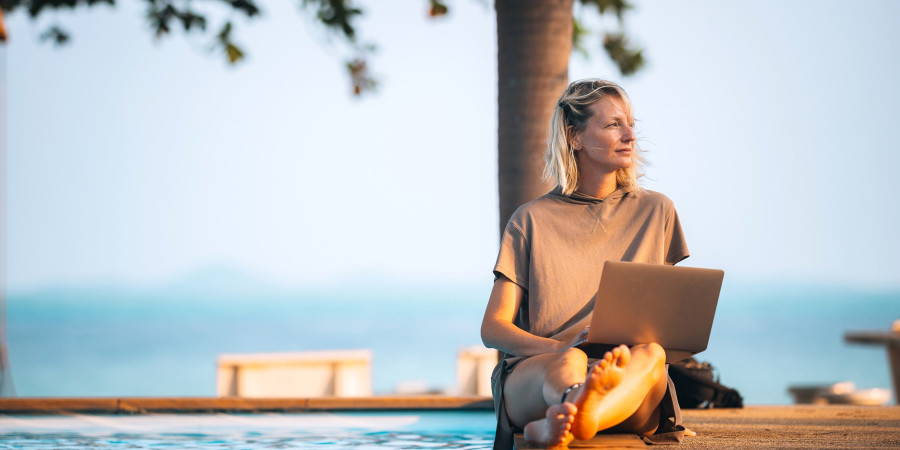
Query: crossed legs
(622, 392)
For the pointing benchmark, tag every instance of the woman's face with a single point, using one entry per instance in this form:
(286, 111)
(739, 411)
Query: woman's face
(607, 142)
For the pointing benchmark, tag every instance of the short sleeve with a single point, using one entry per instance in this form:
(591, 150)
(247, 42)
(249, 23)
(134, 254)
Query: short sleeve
(676, 246)
(514, 258)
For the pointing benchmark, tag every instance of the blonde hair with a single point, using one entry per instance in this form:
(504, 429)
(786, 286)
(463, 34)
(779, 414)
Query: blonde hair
(571, 117)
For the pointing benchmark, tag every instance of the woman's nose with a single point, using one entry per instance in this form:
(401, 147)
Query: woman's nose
(627, 134)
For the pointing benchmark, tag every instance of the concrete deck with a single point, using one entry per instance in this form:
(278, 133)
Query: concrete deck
(795, 426)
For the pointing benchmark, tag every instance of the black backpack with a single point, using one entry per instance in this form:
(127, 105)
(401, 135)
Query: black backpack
(697, 388)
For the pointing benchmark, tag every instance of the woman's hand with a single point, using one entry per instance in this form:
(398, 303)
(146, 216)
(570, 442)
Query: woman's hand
(579, 338)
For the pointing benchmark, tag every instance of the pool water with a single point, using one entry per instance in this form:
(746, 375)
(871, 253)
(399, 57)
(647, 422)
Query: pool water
(397, 430)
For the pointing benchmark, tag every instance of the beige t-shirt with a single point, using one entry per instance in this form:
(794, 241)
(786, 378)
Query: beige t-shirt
(554, 248)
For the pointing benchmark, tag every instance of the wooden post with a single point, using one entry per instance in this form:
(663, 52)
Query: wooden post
(891, 341)
(894, 360)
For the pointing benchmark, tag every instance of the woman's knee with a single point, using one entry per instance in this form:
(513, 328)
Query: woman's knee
(652, 348)
(573, 356)
(653, 352)
(534, 371)
(566, 366)
(570, 360)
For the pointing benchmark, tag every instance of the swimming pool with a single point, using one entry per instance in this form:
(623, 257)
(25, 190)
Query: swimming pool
(358, 430)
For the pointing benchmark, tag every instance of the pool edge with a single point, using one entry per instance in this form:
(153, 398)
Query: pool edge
(147, 405)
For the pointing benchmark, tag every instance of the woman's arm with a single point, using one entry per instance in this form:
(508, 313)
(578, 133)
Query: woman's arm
(498, 330)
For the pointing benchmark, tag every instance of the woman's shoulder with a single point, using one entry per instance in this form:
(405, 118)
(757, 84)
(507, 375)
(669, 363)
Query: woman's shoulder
(648, 200)
(547, 205)
(653, 198)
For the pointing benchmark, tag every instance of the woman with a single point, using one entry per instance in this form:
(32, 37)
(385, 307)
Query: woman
(547, 273)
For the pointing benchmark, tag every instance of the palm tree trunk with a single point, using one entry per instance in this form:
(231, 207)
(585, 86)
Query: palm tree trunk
(534, 41)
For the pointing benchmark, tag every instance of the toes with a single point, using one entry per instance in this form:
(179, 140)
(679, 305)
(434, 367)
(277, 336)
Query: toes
(562, 412)
(624, 356)
(554, 411)
(600, 367)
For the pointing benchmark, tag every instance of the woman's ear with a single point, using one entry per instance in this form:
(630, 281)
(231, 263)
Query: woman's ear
(576, 141)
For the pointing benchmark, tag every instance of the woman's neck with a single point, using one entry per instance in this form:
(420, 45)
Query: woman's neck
(598, 185)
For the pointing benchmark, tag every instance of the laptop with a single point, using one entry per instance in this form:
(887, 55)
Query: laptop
(640, 303)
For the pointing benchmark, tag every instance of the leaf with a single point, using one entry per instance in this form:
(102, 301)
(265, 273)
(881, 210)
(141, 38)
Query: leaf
(160, 17)
(246, 6)
(56, 34)
(629, 60)
(616, 6)
(225, 34)
(3, 37)
(337, 15)
(9, 6)
(437, 9)
(223, 40)
(234, 53)
(36, 6)
(360, 78)
(191, 20)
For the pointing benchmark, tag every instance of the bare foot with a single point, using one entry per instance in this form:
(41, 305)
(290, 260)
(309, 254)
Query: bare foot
(616, 387)
(553, 431)
(602, 378)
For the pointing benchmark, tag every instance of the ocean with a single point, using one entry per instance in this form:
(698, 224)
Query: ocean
(126, 341)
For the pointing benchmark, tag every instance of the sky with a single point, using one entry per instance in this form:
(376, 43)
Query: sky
(130, 160)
